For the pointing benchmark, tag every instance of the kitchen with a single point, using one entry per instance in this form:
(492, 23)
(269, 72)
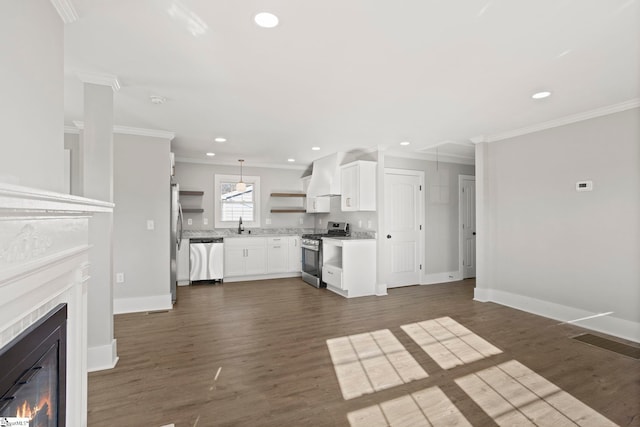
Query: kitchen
(472, 83)
(198, 178)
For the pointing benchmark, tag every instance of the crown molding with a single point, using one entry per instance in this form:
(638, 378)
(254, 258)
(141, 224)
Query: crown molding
(66, 10)
(71, 129)
(443, 158)
(100, 79)
(574, 118)
(127, 130)
(180, 159)
(447, 141)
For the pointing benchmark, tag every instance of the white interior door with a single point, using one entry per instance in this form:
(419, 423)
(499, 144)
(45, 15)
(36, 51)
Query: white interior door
(468, 225)
(403, 234)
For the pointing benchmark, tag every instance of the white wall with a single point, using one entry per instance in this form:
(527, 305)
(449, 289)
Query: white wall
(441, 210)
(32, 101)
(558, 252)
(196, 176)
(141, 193)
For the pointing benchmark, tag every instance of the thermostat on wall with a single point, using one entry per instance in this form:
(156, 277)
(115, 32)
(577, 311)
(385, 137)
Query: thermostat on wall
(584, 185)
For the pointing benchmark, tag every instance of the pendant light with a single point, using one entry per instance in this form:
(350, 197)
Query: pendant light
(241, 186)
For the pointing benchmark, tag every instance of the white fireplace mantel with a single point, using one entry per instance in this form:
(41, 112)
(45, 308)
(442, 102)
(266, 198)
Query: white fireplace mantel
(44, 244)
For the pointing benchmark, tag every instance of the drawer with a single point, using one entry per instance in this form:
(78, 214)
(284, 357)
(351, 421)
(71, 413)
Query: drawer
(332, 275)
(277, 240)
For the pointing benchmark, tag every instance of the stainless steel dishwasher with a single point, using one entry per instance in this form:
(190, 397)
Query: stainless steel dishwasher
(206, 259)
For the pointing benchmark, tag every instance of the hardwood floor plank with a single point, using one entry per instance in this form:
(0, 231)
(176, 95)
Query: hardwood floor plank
(270, 339)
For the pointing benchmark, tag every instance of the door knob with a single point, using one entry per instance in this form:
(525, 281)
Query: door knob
(388, 236)
(474, 233)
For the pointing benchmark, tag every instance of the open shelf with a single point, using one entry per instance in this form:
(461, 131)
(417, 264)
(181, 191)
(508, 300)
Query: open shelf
(192, 210)
(191, 193)
(288, 195)
(288, 210)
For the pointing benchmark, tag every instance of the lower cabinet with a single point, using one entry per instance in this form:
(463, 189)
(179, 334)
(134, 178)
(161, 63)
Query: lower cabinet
(255, 256)
(348, 268)
(295, 254)
(244, 256)
(277, 254)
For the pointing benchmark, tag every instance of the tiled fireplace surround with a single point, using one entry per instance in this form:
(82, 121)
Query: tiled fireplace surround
(44, 247)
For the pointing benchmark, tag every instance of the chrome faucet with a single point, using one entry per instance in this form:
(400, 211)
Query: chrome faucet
(240, 227)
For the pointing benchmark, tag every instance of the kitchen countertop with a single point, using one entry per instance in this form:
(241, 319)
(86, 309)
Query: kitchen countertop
(350, 238)
(248, 232)
(270, 232)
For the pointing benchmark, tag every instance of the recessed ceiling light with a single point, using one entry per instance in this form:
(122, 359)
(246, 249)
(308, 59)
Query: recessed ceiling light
(266, 20)
(540, 95)
(405, 143)
(291, 160)
(315, 148)
(211, 154)
(220, 139)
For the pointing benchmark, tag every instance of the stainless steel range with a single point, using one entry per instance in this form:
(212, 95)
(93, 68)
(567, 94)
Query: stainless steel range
(312, 252)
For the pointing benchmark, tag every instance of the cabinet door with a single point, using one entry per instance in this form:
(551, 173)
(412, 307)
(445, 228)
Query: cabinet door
(277, 257)
(349, 182)
(234, 260)
(255, 260)
(318, 204)
(295, 254)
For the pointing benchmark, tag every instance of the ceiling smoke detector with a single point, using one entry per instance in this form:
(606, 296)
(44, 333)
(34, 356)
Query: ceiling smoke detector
(158, 100)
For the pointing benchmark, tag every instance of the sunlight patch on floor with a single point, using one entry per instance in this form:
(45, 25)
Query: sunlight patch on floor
(370, 362)
(429, 407)
(512, 394)
(449, 343)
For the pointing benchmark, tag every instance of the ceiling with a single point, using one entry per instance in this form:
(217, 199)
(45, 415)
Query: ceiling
(350, 75)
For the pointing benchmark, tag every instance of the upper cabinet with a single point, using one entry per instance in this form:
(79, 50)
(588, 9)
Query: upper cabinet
(320, 204)
(358, 181)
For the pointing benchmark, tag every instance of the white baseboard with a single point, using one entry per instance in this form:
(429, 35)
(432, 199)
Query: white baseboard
(444, 277)
(610, 324)
(142, 304)
(262, 277)
(102, 357)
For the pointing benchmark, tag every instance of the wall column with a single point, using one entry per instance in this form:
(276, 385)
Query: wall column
(482, 225)
(97, 180)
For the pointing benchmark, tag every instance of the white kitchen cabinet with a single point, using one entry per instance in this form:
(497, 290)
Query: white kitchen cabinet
(245, 256)
(277, 254)
(320, 204)
(182, 260)
(295, 254)
(358, 182)
(349, 266)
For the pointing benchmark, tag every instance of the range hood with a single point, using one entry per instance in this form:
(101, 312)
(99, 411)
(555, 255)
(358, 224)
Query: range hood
(325, 176)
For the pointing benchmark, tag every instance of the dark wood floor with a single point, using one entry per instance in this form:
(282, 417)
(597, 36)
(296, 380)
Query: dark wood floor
(269, 339)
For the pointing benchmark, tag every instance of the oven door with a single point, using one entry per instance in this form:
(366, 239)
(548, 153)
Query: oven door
(311, 266)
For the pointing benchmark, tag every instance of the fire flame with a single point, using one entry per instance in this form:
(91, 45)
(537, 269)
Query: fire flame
(27, 411)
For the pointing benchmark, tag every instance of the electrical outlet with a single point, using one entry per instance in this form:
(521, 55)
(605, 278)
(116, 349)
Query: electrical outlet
(150, 224)
(369, 225)
(189, 221)
(205, 221)
(359, 223)
(267, 221)
(119, 277)
(301, 220)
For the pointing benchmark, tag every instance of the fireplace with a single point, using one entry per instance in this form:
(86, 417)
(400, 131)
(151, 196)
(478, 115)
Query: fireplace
(33, 374)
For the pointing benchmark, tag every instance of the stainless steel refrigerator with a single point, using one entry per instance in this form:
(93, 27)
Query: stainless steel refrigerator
(176, 236)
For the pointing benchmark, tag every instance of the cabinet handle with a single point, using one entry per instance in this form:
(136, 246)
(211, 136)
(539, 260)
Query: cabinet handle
(276, 247)
(330, 272)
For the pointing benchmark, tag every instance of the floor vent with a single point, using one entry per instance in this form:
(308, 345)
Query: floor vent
(607, 344)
